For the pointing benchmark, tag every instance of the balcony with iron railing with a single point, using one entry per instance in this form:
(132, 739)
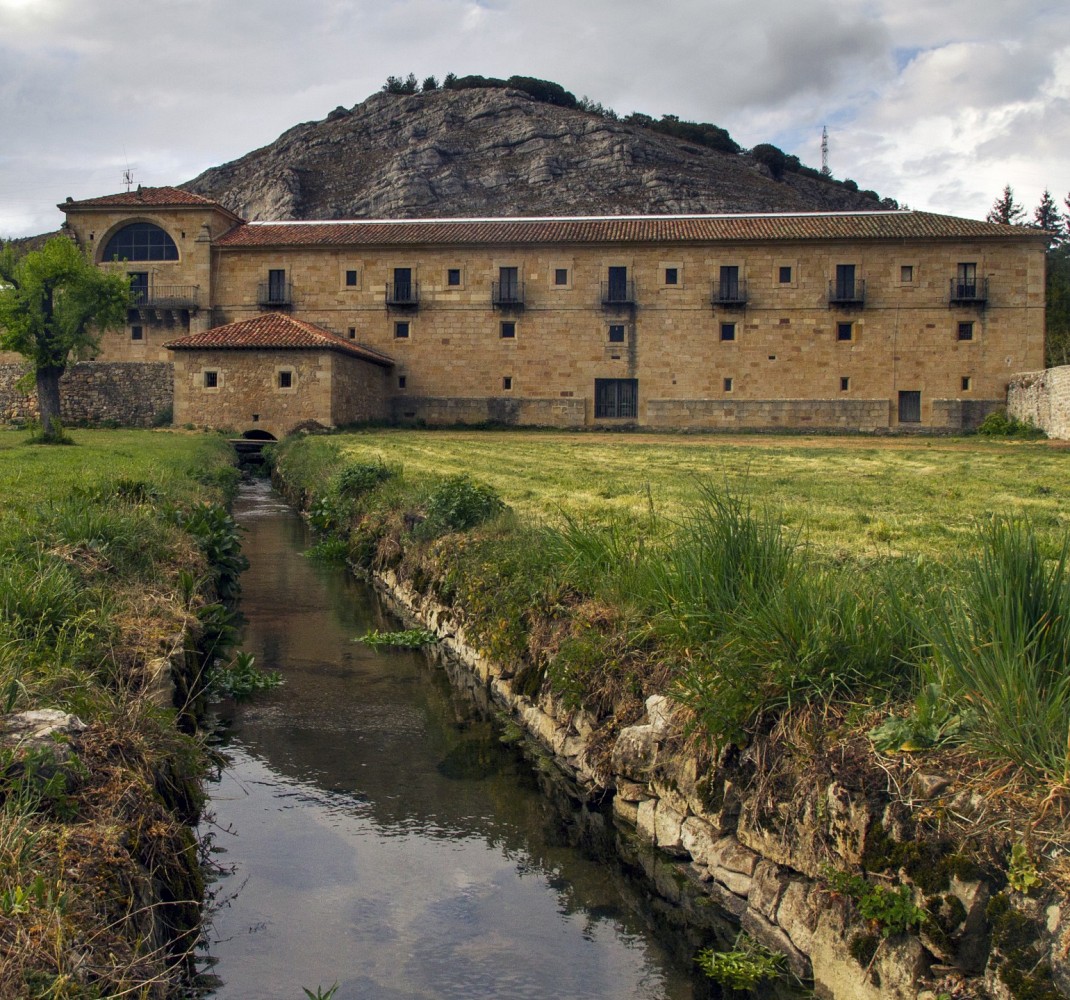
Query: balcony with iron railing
(165, 297)
(617, 294)
(275, 295)
(729, 294)
(968, 293)
(403, 295)
(847, 294)
(507, 294)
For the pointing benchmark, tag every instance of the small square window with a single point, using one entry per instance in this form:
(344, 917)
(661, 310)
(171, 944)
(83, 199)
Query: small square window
(728, 331)
(402, 380)
(352, 333)
(137, 333)
(967, 383)
(211, 380)
(785, 275)
(727, 385)
(845, 383)
(616, 333)
(844, 331)
(453, 277)
(286, 380)
(351, 279)
(560, 275)
(507, 382)
(508, 329)
(672, 276)
(906, 273)
(401, 330)
(966, 331)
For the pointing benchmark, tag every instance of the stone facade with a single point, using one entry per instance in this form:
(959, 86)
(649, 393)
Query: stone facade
(900, 351)
(95, 392)
(1043, 399)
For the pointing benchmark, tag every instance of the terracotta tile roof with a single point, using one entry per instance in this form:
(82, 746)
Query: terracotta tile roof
(623, 229)
(278, 332)
(145, 197)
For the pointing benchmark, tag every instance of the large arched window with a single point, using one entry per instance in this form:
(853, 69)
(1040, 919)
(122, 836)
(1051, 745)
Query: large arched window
(140, 241)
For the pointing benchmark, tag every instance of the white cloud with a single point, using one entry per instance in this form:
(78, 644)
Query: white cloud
(936, 104)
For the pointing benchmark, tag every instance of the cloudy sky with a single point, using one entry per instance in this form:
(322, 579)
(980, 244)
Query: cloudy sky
(938, 103)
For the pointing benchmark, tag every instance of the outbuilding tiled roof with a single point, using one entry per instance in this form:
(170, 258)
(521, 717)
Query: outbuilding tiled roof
(767, 227)
(276, 332)
(146, 197)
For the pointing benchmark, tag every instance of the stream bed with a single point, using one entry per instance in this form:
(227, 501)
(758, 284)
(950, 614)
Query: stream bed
(378, 830)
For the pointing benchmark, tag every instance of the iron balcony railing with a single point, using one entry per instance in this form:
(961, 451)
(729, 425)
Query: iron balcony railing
(729, 293)
(969, 293)
(507, 294)
(274, 294)
(618, 293)
(847, 293)
(403, 293)
(166, 297)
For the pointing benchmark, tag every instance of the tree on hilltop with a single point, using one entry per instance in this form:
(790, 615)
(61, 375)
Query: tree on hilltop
(1005, 210)
(54, 304)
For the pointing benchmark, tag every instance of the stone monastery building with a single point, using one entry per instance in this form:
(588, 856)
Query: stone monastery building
(847, 320)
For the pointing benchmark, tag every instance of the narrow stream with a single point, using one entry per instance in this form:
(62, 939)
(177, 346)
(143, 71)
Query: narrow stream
(379, 834)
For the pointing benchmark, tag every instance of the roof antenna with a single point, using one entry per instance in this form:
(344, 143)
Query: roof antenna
(825, 151)
(128, 178)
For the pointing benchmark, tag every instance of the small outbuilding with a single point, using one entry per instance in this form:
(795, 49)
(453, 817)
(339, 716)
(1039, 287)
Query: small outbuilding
(272, 374)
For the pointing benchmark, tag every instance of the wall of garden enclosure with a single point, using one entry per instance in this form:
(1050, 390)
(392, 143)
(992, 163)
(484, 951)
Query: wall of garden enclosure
(130, 394)
(1043, 399)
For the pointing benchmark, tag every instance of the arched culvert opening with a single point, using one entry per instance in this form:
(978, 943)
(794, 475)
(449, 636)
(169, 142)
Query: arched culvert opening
(258, 435)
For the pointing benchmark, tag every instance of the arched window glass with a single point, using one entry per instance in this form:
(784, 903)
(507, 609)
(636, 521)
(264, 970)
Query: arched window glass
(140, 241)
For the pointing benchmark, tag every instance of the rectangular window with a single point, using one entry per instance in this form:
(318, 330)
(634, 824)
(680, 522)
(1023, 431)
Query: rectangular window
(728, 331)
(966, 331)
(966, 279)
(211, 380)
(403, 286)
(845, 383)
(508, 329)
(967, 383)
(906, 274)
(845, 281)
(286, 380)
(351, 279)
(785, 275)
(507, 382)
(616, 398)
(910, 407)
(844, 331)
(509, 283)
(728, 283)
(453, 277)
(617, 286)
(727, 385)
(560, 275)
(352, 333)
(137, 333)
(402, 380)
(672, 276)
(276, 285)
(616, 333)
(401, 330)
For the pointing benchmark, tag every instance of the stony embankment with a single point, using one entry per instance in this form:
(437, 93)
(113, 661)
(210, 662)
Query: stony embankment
(773, 834)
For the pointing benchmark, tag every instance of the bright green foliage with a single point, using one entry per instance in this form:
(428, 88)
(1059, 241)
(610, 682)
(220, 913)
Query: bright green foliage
(934, 722)
(54, 304)
(748, 965)
(893, 911)
(998, 424)
(459, 503)
(1022, 874)
(412, 638)
(241, 678)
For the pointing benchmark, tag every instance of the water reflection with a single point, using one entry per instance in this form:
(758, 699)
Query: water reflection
(382, 835)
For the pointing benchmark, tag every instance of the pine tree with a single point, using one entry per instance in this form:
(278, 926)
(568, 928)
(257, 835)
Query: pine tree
(1048, 218)
(1006, 210)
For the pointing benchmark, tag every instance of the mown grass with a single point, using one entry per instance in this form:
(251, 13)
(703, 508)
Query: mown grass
(740, 574)
(98, 573)
(848, 496)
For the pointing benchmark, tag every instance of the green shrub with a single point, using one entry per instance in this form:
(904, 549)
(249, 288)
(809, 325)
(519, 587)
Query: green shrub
(459, 503)
(999, 424)
(358, 478)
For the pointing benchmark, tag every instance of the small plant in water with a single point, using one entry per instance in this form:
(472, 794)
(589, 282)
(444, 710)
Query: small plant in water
(412, 638)
(242, 679)
(743, 968)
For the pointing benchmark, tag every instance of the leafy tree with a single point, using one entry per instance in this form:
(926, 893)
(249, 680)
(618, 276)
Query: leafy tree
(430, 83)
(1006, 210)
(1057, 343)
(54, 304)
(1048, 218)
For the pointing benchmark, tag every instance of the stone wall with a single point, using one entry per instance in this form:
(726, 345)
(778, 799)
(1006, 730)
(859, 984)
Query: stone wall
(133, 394)
(568, 412)
(747, 414)
(1043, 399)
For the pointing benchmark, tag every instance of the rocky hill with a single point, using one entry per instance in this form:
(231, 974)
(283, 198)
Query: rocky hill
(499, 152)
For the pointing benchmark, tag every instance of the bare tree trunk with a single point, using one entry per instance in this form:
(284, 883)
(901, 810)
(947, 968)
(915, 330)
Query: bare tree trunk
(48, 401)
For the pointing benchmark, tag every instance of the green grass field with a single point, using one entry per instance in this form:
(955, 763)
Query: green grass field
(847, 495)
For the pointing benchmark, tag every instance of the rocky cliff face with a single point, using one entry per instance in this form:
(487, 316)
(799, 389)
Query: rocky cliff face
(496, 152)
